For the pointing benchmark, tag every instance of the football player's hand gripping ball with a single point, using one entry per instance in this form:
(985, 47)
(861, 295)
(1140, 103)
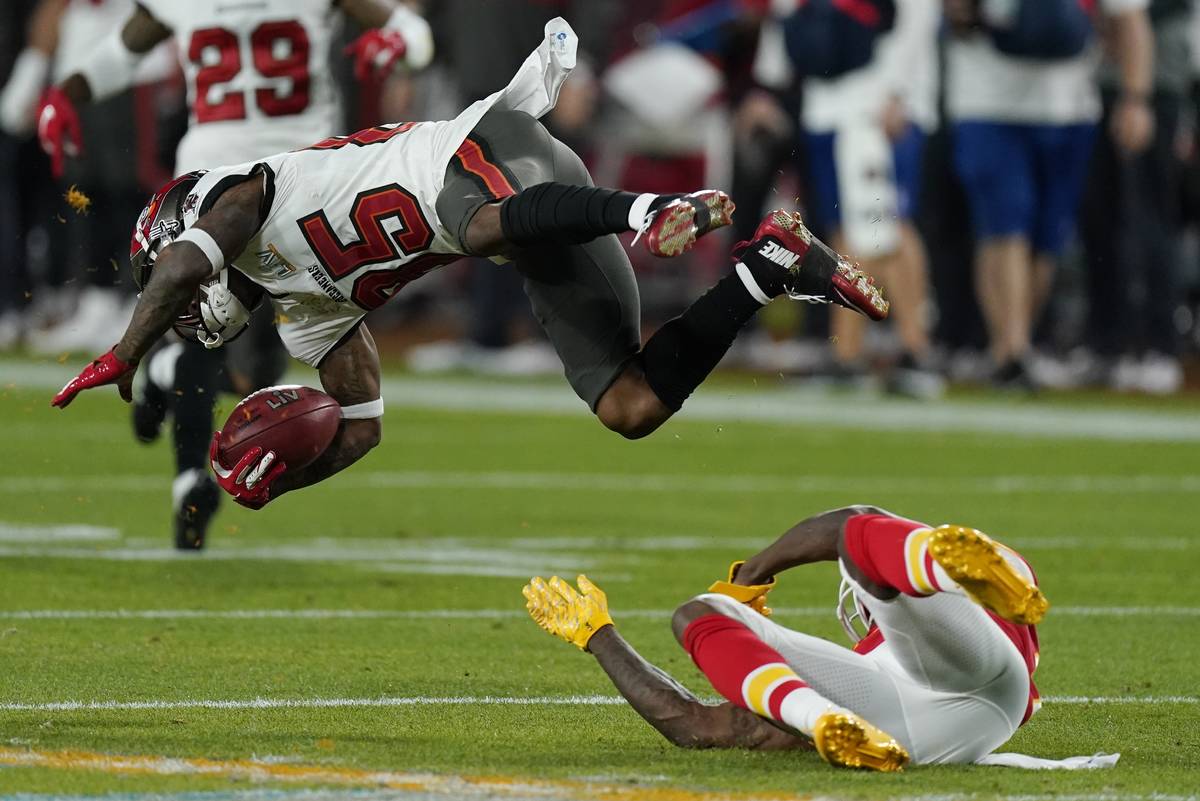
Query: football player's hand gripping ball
(58, 129)
(248, 481)
(570, 615)
(752, 595)
(106, 369)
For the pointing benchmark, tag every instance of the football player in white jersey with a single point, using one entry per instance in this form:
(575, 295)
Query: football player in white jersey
(258, 75)
(333, 231)
(258, 82)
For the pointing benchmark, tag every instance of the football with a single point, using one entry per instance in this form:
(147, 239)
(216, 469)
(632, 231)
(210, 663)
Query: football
(296, 422)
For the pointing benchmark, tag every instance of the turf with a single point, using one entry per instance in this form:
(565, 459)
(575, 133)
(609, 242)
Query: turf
(455, 509)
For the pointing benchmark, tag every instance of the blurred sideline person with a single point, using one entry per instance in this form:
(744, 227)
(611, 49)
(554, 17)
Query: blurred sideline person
(941, 671)
(1131, 218)
(258, 83)
(865, 132)
(337, 229)
(80, 298)
(1021, 93)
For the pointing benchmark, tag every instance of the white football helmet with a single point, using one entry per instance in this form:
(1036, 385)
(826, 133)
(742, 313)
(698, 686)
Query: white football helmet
(854, 617)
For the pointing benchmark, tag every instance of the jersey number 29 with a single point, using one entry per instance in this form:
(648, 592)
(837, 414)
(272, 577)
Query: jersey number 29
(265, 41)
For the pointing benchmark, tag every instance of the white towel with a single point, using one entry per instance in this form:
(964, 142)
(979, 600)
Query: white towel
(1010, 760)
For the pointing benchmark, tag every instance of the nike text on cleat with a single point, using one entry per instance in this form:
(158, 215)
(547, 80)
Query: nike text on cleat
(815, 273)
(779, 254)
(674, 227)
(845, 740)
(974, 561)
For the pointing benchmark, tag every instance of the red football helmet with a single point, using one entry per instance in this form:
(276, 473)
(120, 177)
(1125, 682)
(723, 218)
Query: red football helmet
(218, 313)
(160, 222)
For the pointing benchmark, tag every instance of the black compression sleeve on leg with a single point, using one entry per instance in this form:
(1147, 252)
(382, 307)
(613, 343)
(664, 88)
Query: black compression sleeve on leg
(562, 214)
(685, 350)
(198, 376)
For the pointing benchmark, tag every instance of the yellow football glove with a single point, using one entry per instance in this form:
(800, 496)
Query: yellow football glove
(752, 595)
(570, 615)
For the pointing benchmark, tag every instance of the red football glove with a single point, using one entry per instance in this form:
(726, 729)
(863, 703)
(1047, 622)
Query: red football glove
(376, 53)
(105, 369)
(249, 482)
(58, 129)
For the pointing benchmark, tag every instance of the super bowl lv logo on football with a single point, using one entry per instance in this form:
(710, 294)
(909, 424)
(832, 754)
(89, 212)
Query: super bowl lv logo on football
(283, 397)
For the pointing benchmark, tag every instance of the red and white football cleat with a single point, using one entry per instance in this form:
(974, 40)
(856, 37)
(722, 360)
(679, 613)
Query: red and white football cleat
(674, 227)
(816, 273)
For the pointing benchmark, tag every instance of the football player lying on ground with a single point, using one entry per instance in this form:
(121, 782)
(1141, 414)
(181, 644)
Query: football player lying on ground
(335, 230)
(942, 674)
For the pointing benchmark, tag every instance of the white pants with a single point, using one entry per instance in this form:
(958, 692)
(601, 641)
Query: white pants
(947, 682)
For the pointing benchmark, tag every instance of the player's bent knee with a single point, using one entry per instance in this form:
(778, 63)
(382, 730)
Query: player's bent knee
(630, 408)
(686, 613)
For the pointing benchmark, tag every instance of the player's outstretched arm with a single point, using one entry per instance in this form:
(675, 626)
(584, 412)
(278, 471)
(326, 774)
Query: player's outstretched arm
(178, 272)
(350, 375)
(581, 617)
(108, 70)
(674, 711)
(814, 539)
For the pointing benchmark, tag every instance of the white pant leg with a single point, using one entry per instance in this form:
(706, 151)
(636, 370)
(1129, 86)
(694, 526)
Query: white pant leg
(947, 643)
(934, 725)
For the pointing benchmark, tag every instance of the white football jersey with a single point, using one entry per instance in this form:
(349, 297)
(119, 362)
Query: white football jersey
(352, 219)
(258, 77)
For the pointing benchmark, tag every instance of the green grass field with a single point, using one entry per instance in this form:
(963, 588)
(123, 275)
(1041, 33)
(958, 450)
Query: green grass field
(355, 626)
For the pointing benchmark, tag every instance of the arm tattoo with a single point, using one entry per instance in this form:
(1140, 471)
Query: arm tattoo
(182, 266)
(350, 374)
(674, 711)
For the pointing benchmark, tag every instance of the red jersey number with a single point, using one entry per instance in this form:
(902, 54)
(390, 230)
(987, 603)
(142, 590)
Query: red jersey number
(279, 50)
(374, 245)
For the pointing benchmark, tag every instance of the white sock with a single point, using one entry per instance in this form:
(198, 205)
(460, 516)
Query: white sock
(802, 707)
(639, 209)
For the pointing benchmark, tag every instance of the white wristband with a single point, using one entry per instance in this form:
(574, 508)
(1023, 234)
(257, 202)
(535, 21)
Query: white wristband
(363, 411)
(417, 36)
(203, 240)
(110, 67)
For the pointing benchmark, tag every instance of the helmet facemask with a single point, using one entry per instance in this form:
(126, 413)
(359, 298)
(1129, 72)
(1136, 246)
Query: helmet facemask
(852, 614)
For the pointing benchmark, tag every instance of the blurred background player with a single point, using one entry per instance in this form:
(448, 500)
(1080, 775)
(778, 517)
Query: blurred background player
(258, 83)
(943, 621)
(1021, 93)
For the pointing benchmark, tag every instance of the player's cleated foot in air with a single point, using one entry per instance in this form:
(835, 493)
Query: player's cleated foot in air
(973, 560)
(151, 388)
(815, 273)
(675, 222)
(196, 497)
(845, 740)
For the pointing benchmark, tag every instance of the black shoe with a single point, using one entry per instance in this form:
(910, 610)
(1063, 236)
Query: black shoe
(1014, 376)
(151, 402)
(195, 508)
(911, 379)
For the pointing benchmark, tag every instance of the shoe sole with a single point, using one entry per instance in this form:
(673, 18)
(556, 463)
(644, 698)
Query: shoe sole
(196, 512)
(675, 230)
(844, 741)
(973, 560)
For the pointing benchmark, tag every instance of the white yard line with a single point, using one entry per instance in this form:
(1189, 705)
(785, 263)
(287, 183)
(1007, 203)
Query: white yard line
(464, 700)
(490, 614)
(739, 484)
(788, 406)
(71, 532)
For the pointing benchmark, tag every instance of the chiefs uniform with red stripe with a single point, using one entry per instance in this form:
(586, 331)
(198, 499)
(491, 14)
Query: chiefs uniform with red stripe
(1024, 638)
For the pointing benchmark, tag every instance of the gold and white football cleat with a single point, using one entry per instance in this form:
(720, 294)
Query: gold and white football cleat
(845, 740)
(973, 560)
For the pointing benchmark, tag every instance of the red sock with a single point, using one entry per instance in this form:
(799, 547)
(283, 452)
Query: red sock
(894, 552)
(739, 665)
